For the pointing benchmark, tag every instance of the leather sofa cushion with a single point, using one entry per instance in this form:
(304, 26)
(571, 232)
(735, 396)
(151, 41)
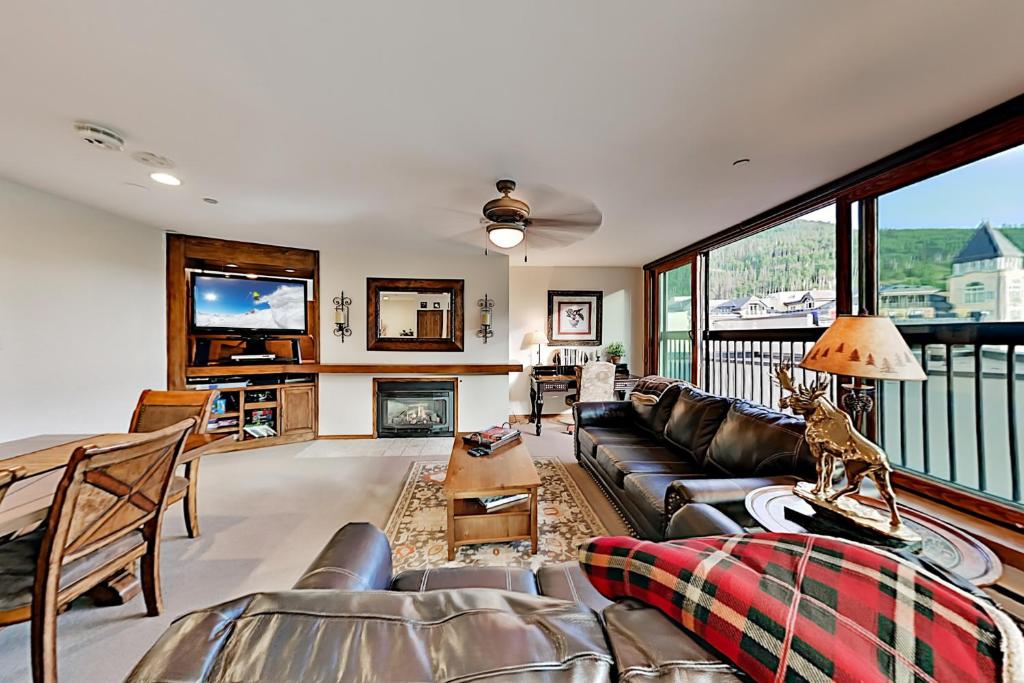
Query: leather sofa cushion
(619, 460)
(517, 579)
(756, 441)
(18, 565)
(566, 581)
(592, 437)
(693, 422)
(382, 636)
(649, 647)
(651, 419)
(647, 492)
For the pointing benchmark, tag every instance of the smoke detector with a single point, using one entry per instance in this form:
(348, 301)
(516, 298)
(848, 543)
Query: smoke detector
(99, 136)
(152, 160)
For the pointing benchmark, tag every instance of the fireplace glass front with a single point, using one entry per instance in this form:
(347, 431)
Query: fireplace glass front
(415, 408)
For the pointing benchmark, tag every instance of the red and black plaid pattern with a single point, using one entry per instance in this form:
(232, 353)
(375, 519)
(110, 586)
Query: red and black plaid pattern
(798, 607)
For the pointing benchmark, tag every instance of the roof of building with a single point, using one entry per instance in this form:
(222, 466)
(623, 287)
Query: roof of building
(987, 243)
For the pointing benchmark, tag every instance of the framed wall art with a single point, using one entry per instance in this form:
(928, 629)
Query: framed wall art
(574, 317)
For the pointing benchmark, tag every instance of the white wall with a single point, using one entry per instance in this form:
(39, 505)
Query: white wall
(82, 315)
(622, 318)
(346, 400)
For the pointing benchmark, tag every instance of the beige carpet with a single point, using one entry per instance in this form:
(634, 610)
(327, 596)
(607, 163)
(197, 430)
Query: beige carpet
(264, 513)
(417, 528)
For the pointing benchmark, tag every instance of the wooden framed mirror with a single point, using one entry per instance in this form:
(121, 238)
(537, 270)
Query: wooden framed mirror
(414, 315)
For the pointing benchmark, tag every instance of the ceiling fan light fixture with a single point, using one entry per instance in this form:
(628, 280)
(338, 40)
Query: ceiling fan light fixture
(505, 235)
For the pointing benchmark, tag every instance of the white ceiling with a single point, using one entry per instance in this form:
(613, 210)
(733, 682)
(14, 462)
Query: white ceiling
(331, 124)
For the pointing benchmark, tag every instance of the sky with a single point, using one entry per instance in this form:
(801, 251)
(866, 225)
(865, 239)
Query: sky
(232, 296)
(991, 189)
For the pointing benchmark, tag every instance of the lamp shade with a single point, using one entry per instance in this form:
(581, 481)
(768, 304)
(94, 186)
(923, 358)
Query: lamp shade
(867, 346)
(536, 337)
(504, 235)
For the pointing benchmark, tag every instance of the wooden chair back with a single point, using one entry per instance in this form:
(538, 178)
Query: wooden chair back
(159, 409)
(7, 477)
(108, 492)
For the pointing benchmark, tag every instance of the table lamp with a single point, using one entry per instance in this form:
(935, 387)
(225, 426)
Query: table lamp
(863, 347)
(536, 337)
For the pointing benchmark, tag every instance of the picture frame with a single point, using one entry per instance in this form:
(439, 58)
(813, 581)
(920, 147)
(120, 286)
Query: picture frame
(574, 317)
(423, 304)
(437, 304)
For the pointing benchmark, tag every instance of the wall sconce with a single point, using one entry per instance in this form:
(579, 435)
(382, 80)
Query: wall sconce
(341, 307)
(486, 307)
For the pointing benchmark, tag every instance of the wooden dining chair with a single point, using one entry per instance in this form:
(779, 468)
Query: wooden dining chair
(7, 477)
(106, 513)
(158, 409)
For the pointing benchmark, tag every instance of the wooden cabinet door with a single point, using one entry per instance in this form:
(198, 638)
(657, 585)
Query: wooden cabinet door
(298, 409)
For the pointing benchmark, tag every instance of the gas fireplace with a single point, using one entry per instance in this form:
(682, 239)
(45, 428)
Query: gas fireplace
(410, 408)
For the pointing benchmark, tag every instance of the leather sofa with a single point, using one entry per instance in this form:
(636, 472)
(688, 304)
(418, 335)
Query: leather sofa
(349, 619)
(690, 447)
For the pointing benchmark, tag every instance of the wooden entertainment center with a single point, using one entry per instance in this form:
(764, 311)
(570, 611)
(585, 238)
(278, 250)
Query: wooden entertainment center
(282, 395)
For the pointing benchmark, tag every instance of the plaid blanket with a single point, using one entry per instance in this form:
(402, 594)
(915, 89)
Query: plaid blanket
(799, 607)
(648, 390)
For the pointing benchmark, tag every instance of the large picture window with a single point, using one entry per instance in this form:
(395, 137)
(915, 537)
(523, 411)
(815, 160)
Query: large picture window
(675, 333)
(783, 277)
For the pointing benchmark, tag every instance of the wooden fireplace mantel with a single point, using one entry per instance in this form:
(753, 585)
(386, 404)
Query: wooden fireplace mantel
(356, 369)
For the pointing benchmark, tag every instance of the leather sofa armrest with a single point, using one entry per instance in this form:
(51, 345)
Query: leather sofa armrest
(602, 414)
(700, 519)
(717, 491)
(358, 557)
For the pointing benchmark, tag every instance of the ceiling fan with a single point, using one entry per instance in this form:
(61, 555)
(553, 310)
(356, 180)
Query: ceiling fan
(508, 221)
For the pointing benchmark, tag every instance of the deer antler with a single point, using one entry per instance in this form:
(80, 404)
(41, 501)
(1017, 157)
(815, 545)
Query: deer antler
(820, 385)
(785, 381)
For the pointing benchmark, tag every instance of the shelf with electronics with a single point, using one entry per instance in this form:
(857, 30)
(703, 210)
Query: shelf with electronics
(243, 319)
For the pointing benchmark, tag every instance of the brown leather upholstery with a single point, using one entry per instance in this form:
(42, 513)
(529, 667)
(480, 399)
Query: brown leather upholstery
(649, 647)
(705, 438)
(647, 493)
(358, 557)
(754, 441)
(728, 495)
(515, 579)
(693, 422)
(567, 581)
(701, 519)
(592, 437)
(461, 635)
(18, 560)
(619, 460)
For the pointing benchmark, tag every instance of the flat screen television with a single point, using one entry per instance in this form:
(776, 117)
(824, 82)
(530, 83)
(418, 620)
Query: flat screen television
(229, 304)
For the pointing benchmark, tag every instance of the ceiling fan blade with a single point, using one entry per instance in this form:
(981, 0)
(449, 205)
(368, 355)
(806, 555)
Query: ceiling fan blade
(583, 222)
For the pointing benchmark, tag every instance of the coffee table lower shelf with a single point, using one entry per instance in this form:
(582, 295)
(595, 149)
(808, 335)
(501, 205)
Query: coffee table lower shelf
(469, 523)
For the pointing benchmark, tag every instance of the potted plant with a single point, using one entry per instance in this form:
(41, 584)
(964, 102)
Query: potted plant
(615, 351)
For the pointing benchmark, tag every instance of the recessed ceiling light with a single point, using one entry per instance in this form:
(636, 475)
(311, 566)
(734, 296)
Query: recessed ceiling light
(251, 276)
(740, 162)
(289, 270)
(165, 179)
(211, 200)
(230, 265)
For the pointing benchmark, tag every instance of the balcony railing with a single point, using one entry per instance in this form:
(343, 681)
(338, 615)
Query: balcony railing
(962, 426)
(676, 355)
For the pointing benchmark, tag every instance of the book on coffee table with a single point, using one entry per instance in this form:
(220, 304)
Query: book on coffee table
(493, 438)
(491, 503)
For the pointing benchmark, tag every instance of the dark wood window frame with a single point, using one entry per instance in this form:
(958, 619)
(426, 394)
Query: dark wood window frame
(988, 133)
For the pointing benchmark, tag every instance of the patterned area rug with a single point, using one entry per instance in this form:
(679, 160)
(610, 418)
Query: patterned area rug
(416, 527)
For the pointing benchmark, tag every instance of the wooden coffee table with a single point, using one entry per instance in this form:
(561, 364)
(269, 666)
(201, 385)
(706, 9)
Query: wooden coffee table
(509, 470)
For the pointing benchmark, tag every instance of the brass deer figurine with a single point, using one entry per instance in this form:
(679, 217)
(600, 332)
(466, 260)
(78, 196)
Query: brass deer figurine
(831, 436)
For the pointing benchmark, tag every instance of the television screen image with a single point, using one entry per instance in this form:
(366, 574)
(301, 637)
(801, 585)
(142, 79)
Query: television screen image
(237, 303)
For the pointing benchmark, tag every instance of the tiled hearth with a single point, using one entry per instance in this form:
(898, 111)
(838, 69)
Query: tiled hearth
(440, 447)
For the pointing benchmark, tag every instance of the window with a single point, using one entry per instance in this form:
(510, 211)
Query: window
(957, 237)
(783, 277)
(675, 322)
